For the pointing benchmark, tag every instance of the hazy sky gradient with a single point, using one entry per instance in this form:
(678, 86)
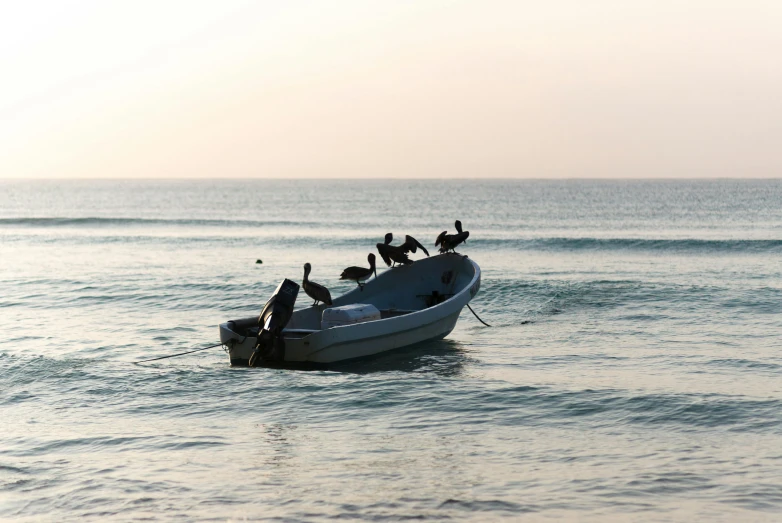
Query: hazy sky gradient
(429, 89)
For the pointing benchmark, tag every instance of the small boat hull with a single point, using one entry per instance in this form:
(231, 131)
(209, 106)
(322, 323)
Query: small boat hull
(301, 350)
(419, 302)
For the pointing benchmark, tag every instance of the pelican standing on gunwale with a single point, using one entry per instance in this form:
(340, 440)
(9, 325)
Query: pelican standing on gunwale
(398, 253)
(360, 274)
(314, 290)
(448, 242)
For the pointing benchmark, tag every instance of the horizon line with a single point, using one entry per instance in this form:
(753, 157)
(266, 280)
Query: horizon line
(248, 178)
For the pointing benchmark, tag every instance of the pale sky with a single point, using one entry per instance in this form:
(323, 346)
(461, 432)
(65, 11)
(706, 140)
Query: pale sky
(408, 89)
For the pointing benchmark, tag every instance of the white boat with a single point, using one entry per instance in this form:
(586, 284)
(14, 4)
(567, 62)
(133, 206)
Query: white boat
(416, 303)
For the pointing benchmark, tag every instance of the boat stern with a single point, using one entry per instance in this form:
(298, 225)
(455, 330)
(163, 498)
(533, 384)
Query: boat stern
(239, 339)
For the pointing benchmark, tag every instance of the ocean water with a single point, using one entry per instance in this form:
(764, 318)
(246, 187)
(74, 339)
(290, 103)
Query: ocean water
(631, 373)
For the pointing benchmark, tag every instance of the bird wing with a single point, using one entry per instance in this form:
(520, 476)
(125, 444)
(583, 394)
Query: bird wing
(413, 244)
(440, 238)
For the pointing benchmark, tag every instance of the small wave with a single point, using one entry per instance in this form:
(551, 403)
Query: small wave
(630, 244)
(744, 363)
(522, 406)
(98, 221)
(119, 444)
(491, 505)
(9, 468)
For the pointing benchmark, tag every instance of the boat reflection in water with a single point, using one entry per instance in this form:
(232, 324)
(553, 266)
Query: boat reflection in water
(444, 358)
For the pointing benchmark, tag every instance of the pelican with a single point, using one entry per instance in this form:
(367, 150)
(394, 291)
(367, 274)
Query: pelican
(398, 253)
(360, 274)
(448, 242)
(314, 290)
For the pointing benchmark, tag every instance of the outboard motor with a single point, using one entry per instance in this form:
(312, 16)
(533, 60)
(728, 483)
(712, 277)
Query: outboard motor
(274, 317)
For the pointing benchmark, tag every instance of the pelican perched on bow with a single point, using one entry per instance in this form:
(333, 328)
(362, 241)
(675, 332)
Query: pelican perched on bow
(448, 242)
(360, 274)
(398, 253)
(314, 290)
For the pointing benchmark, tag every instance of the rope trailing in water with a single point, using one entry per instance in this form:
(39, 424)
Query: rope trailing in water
(180, 354)
(479, 319)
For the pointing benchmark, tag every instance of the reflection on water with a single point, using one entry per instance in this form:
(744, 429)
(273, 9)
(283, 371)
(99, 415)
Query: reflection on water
(445, 358)
(274, 445)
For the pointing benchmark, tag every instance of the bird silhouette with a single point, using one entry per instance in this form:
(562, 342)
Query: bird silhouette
(360, 274)
(448, 242)
(314, 290)
(398, 253)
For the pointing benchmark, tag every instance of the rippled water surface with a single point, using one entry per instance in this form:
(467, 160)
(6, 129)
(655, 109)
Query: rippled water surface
(632, 370)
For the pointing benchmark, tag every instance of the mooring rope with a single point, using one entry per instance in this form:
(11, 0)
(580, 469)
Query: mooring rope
(180, 354)
(479, 319)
